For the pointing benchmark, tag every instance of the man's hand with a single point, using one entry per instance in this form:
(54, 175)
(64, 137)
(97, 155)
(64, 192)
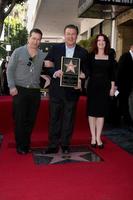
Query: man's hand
(79, 85)
(82, 75)
(13, 91)
(58, 74)
(48, 63)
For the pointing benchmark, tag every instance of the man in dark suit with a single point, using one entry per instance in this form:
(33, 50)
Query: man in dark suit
(125, 84)
(63, 100)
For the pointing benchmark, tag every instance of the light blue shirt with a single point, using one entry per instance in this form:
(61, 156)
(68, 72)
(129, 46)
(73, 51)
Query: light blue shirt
(69, 52)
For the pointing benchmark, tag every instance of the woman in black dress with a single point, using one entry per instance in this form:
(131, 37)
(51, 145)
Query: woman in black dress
(101, 84)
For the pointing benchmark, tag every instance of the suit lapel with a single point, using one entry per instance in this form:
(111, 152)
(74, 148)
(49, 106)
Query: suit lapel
(76, 52)
(63, 49)
(130, 57)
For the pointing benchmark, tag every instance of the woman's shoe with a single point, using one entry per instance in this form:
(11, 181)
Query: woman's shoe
(93, 145)
(100, 146)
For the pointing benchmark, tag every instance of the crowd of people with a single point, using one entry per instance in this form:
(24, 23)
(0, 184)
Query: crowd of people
(103, 76)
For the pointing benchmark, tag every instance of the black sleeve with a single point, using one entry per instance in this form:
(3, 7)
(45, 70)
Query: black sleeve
(88, 68)
(50, 55)
(84, 61)
(120, 75)
(113, 69)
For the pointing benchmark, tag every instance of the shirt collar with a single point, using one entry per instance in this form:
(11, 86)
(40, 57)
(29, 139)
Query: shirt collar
(69, 51)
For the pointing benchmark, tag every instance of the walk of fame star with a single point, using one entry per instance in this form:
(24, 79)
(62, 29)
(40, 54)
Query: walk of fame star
(79, 155)
(70, 67)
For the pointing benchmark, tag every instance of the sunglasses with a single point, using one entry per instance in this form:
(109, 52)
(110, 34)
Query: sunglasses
(30, 62)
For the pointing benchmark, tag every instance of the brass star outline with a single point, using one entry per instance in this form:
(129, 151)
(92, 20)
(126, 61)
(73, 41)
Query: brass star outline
(59, 157)
(70, 67)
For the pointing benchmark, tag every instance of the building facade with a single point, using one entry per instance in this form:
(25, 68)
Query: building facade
(116, 20)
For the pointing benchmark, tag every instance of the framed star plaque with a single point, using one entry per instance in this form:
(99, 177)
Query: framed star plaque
(71, 70)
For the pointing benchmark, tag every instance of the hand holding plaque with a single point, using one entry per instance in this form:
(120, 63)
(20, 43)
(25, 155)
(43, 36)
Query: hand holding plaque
(71, 70)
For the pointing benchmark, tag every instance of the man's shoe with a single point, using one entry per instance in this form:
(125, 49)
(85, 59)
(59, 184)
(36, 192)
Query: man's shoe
(51, 150)
(29, 150)
(130, 128)
(65, 149)
(22, 151)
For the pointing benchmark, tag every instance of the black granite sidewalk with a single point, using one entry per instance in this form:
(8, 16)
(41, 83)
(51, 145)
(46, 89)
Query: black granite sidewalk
(122, 136)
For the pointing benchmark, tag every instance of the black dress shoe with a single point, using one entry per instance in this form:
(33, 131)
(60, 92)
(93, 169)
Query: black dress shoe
(51, 150)
(29, 150)
(65, 149)
(130, 128)
(22, 151)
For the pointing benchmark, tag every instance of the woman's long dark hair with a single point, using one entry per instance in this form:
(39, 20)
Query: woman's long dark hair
(107, 44)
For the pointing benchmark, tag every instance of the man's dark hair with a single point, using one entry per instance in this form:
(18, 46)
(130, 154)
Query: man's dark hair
(36, 30)
(72, 26)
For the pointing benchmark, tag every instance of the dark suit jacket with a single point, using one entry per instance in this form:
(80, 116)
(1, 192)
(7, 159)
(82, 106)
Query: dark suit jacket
(125, 74)
(55, 55)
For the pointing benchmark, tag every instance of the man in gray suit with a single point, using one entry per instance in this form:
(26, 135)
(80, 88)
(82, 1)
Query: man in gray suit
(23, 75)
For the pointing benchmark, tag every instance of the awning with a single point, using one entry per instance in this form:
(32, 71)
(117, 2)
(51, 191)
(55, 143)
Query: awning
(103, 9)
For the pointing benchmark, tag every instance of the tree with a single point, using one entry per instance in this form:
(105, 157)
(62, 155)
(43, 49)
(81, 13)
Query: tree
(15, 32)
(6, 7)
(18, 39)
(87, 44)
(18, 33)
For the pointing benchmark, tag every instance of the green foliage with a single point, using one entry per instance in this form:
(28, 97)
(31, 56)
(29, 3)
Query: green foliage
(83, 43)
(87, 44)
(3, 52)
(6, 6)
(19, 39)
(90, 42)
(15, 32)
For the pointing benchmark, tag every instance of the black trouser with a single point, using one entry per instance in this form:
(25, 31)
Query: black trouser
(124, 108)
(130, 100)
(25, 108)
(62, 115)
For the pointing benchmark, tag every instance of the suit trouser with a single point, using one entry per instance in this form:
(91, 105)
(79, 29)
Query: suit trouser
(25, 108)
(130, 100)
(62, 117)
(124, 108)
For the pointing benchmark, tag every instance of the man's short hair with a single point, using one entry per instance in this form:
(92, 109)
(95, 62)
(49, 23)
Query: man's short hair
(36, 30)
(72, 26)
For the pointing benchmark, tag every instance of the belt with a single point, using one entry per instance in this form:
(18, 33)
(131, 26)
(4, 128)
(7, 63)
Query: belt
(30, 88)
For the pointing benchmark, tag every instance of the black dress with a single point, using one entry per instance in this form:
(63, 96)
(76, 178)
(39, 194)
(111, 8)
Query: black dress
(98, 88)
